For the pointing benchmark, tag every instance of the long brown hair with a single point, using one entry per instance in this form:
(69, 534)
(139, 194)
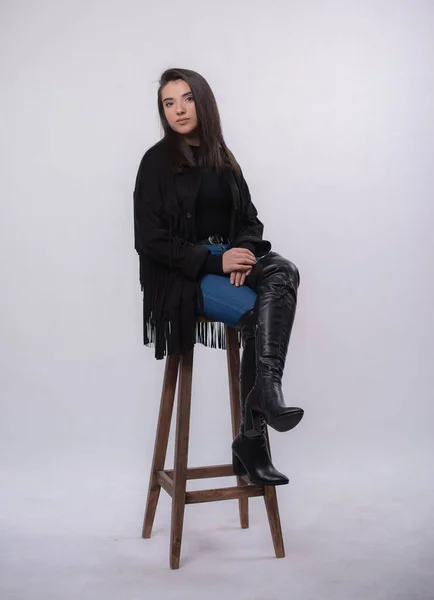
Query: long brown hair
(214, 152)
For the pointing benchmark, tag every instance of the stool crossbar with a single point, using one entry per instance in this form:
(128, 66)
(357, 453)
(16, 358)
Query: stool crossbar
(174, 481)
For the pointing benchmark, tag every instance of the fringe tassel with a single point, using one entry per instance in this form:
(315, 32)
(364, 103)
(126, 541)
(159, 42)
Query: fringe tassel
(210, 334)
(165, 327)
(213, 334)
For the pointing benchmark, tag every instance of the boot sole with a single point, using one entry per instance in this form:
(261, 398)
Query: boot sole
(280, 424)
(286, 422)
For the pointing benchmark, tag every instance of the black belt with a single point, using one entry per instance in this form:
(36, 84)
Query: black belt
(216, 238)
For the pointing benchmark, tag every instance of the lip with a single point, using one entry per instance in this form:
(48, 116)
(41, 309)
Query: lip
(182, 120)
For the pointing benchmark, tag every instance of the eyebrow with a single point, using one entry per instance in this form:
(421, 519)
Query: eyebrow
(186, 94)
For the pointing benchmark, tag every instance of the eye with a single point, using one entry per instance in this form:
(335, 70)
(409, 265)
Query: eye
(190, 98)
(168, 104)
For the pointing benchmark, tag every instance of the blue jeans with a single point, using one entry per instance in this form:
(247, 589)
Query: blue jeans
(222, 300)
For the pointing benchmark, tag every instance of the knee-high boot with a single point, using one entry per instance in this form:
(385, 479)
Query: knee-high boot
(250, 456)
(277, 282)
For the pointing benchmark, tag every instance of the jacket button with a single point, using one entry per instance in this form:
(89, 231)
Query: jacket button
(188, 215)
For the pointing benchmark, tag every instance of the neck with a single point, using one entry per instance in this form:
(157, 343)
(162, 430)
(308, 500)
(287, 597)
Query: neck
(192, 139)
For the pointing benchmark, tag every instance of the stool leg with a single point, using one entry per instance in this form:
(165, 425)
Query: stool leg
(233, 360)
(270, 499)
(161, 440)
(181, 456)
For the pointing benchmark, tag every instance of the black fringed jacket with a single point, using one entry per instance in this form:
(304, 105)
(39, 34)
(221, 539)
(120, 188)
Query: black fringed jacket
(170, 258)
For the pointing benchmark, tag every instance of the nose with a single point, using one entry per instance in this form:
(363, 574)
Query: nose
(180, 110)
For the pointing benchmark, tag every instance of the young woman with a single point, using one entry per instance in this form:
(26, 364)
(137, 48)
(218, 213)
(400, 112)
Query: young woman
(201, 252)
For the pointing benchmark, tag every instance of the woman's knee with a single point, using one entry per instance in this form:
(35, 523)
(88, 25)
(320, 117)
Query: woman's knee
(293, 273)
(275, 263)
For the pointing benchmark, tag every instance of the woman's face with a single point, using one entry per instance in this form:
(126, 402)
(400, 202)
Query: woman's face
(178, 104)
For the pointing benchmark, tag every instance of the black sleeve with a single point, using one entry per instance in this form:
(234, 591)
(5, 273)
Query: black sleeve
(214, 264)
(247, 245)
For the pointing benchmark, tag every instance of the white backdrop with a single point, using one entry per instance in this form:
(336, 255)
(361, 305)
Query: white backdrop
(328, 107)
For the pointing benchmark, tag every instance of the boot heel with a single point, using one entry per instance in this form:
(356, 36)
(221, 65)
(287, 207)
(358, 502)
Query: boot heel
(252, 424)
(238, 466)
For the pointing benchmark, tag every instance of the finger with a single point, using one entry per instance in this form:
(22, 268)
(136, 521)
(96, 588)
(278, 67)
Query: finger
(243, 268)
(243, 278)
(238, 278)
(246, 262)
(232, 277)
(245, 251)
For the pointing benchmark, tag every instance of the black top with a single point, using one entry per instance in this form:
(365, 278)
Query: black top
(213, 203)
(213, 210)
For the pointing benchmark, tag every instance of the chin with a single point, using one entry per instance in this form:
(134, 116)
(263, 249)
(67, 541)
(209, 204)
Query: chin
(186, 130)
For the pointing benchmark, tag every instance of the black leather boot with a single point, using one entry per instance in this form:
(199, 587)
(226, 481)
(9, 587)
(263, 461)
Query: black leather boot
(277, 282)
(250, 456)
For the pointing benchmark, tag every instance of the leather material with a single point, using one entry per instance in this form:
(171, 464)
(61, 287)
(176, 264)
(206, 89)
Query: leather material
(247, 327)
(252, 454)
(277, 285)
(251, 457)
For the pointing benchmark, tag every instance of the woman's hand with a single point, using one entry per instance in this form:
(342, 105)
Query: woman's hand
(238, 259)
(239, 277)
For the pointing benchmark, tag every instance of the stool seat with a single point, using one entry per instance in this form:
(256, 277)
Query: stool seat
(179, 368)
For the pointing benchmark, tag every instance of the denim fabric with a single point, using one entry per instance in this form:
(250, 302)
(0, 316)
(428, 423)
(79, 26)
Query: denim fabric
(222, 300)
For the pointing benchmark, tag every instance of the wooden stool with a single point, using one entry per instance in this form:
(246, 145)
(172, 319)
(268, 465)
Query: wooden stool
(174, 480)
